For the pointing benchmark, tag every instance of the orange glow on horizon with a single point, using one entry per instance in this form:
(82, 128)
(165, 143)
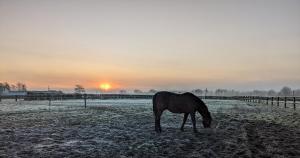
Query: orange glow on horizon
(105, 86)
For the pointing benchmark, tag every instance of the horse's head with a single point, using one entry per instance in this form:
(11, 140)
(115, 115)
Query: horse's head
(203, 110)
(206, 121)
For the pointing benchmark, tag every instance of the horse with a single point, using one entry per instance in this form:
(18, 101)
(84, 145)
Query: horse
(186, 103)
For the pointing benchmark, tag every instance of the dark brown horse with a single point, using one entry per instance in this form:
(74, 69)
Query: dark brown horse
(186, 103)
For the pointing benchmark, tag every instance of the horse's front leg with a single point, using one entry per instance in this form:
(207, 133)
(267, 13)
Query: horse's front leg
(184, 120)
(194, 121)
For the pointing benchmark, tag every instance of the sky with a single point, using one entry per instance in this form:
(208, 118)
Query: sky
(144, 44)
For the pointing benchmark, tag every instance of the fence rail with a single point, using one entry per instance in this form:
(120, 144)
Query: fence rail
(275, 101)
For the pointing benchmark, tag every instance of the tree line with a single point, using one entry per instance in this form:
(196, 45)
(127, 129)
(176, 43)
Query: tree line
(12, 87)
(285, 91)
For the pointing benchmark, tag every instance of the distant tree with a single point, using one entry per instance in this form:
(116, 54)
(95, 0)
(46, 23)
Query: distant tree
(79, 89)
(2, 87)
(297, 92)
(205, 92)
(198, 91)
(259, 93)
(137, 91)
(152, 91)
(285, 91)
(221, 92)
(12, 87)
(123, 91)
(21, 87)
(271, 92)
(235, 93)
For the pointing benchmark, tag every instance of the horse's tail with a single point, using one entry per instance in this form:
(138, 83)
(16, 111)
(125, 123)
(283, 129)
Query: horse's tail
(154, 104)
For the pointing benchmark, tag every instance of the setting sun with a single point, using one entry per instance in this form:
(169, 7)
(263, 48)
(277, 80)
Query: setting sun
(105, 86)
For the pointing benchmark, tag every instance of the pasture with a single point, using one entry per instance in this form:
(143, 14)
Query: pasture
(125, 128)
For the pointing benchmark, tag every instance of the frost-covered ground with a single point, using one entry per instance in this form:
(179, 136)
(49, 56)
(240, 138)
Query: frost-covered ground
(125, 128)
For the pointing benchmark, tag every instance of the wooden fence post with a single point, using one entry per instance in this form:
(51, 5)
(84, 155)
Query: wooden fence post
(16, 98)
(277, 101)
(85, 95)
(49, 98)
(294, 103)
(0, 98)
(267, 100)
(284, 102)
(272, 100)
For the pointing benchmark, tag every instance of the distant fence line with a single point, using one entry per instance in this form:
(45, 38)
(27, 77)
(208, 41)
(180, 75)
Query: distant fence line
(285, 101)
(79, 96)
(273, 101)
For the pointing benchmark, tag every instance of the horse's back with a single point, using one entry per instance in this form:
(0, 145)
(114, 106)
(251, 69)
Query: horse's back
(176, 103)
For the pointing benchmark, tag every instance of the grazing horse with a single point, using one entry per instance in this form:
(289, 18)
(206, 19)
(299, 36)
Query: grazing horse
(186, 103)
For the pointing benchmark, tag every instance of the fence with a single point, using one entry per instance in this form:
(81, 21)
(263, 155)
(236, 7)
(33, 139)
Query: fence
(273, 101)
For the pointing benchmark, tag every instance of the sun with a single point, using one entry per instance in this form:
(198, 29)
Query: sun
(105, 86)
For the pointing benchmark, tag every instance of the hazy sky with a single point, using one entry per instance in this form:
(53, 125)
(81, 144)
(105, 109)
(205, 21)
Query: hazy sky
(163, 44)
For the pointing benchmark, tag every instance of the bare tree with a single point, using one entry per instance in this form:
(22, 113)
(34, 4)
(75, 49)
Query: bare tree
(2, 88)
(21, 86)
(198, 91)
(123, 91)
(7, 86)
(137, 91)
(221, 92)
(206, 92)
(79, 89)
(152, 91)
(271, 92)
(13, 87)
(286, 91)
(297, 92)
(260, 93)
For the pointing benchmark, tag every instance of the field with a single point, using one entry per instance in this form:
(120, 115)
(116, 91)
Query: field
(125, 128)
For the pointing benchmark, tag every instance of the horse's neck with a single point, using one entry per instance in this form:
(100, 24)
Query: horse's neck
(203, 111)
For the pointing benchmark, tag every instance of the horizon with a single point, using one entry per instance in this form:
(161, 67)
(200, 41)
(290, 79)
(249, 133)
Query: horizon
(163, 45)
(112, 91)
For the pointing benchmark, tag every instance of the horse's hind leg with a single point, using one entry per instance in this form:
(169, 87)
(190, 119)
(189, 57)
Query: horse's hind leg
(194, 121)
(157, 121)
(184, 120)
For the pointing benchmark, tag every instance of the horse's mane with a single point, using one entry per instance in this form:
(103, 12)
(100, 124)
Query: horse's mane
(197, 99)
